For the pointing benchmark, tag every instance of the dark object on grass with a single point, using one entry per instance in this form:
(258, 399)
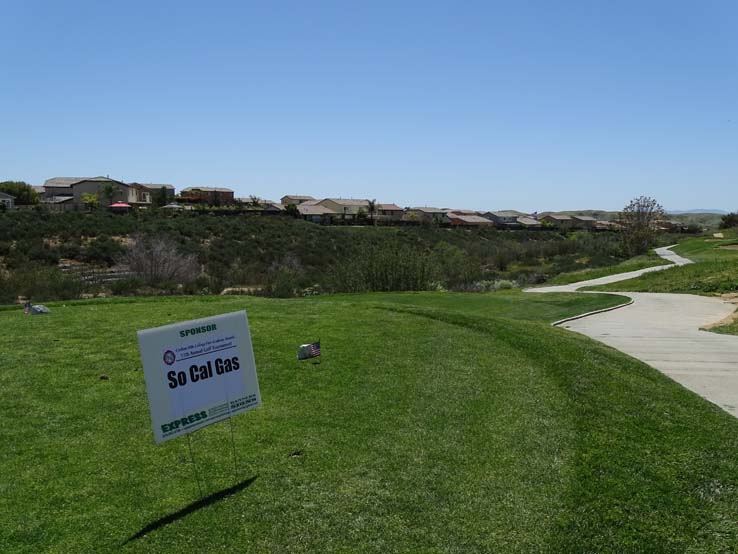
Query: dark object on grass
(104, 377)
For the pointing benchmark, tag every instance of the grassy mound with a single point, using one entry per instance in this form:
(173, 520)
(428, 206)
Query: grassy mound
(435, 423)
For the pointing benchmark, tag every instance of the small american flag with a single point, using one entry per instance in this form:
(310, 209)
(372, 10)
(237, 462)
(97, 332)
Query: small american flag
(307, 351)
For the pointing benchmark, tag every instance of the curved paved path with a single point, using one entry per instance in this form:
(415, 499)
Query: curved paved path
(663, 331)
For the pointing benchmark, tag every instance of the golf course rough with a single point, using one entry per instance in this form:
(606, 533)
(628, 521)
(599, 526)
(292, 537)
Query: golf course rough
(436, 422)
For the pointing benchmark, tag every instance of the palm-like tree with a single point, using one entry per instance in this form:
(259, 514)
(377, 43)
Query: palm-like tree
(372, 210)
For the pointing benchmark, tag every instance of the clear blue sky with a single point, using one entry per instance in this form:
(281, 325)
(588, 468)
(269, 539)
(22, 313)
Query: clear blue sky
(532, 105)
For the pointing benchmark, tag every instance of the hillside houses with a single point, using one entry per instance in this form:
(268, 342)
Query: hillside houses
(75, 193)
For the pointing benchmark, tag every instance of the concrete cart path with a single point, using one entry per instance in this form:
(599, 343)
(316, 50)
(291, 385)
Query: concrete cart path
(665, 253)
(663, 331)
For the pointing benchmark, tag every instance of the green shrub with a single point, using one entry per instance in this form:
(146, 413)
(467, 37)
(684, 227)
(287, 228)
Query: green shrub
(103, 250)
(40, 284)
(728, 221)
(126, 287)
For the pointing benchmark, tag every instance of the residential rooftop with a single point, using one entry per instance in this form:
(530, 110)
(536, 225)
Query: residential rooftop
(508, 213)
(350, 201)
(314, 209)
(206, 189)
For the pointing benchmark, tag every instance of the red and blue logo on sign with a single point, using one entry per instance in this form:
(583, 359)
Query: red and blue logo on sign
(169, 357)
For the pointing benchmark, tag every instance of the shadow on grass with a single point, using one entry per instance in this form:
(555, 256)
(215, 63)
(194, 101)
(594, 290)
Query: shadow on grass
(171, 518)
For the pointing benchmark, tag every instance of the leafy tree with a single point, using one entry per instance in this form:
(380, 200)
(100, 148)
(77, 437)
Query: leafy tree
(160, 198)
(254, 201)
(291, 209)
(638, 220)
(90, 200)
(109, 190)
(22, 191)
(729, 221)
(103, 250)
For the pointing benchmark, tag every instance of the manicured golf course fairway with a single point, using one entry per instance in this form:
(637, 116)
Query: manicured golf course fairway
(436, 422)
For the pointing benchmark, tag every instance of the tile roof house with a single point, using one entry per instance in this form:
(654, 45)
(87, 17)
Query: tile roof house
(504, 217)
(529, 222)
(209, 195)
(463, 220)
(64, 181)
(425, 214)
(389, 212)
(602, 225)
(669, 225)
(58, 191)
(61, 186)
(316, 213)
(295, 199)
(584, 221)
(461, 212)
(155, 188)
(347, 208)
(272, 208)
(7, 201)
(136, 195)
(559, 221)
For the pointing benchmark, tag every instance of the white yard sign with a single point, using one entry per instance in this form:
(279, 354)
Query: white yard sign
(198, 372)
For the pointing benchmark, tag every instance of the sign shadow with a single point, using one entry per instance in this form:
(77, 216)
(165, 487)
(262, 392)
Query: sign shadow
(193, 507)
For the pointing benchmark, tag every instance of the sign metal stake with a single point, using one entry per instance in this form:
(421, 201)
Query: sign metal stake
(194, 465)
(233, 444)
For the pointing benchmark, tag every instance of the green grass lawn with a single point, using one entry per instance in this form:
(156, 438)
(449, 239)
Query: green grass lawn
(707, 248)
(632, 264)
(715, 270)
(435, 423)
